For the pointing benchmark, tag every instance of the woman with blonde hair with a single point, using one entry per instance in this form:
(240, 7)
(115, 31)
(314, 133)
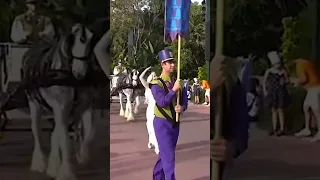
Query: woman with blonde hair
(150, 109)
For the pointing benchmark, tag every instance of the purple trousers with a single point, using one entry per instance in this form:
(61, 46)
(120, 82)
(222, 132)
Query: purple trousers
(167, 136)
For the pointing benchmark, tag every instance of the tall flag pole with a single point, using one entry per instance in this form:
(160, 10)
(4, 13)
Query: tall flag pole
(176, 27)
(216, 168)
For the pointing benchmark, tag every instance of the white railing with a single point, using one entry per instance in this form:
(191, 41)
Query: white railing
(10, 70)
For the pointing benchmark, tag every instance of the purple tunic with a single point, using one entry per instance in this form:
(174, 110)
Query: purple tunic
(166, 133)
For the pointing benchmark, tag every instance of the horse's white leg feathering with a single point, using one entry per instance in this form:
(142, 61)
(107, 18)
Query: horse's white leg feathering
(65, 172)
(129, 108)
(121, 104)
(137, 104)
(54, 157)
(39, 161)
(89, 131)
(61, 101)
(128, 103)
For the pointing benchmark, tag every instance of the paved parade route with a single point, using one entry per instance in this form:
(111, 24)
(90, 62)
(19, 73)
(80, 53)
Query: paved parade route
(16, 150)
(277, 158)
(130, 157)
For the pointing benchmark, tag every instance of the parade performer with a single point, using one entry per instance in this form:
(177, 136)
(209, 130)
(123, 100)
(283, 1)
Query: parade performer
(164, 90)
(276, 92)
(29, 27)
(309, 78)
(206, 87)
(196, 91)
(235, 127)
(150, 109)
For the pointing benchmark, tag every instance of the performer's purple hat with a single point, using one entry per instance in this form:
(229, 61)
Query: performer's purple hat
(165, 55)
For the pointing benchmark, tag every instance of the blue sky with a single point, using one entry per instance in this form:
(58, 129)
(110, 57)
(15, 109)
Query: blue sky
(199, 1)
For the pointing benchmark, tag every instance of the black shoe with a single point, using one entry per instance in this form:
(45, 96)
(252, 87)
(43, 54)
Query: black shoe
(281, 133)
(272, 133)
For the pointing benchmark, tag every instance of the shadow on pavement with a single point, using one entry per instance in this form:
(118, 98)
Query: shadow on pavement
(203, 178)
(147, 159)
(273, 169)
(119, 141)
(193, 145)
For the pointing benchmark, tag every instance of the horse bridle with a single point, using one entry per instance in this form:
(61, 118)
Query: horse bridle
(83, 39)
(83, 58)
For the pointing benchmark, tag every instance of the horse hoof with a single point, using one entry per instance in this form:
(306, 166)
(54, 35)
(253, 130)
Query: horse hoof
(130, 118)
(65, 173)
(53, 165)
(38, 164)
(136, 111)
(126, 114)
(82, 156)
(121, 113)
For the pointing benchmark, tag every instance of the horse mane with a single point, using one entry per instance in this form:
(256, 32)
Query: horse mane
(38, 59)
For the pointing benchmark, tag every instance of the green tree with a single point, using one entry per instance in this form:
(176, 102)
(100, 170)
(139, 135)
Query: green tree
(297, 36)
(202, 73)
(148, 25)
(255, 26)
(63, 13)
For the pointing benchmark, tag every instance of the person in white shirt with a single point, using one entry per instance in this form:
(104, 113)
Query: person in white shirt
(150, 109)
(119, 69)
(29, 27)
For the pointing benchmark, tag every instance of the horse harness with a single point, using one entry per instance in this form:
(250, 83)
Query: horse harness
(62, 78)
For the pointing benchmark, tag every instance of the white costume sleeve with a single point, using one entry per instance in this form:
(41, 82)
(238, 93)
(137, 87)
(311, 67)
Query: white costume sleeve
(102, 55)
(143, 81)
(18, 35)
(146, 95)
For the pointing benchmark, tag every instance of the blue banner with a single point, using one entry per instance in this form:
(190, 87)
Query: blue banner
(176, 19)
(246, 75)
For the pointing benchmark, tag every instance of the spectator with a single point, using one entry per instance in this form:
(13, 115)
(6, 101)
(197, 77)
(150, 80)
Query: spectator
(196, 91)
(276, 93)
